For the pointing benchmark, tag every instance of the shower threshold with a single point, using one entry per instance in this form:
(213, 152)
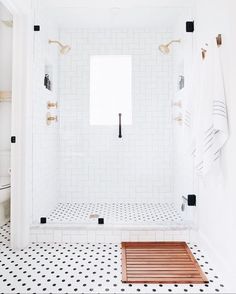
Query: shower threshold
(78, 222)
(116, 216)
(115, 227)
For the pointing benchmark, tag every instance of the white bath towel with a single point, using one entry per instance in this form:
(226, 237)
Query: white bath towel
(190, 104)
(208, 111)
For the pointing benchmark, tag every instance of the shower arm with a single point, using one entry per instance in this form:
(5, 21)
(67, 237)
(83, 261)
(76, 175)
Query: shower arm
(55, 42)
(173, 41)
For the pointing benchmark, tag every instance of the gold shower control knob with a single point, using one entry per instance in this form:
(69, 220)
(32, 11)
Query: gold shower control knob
(51, 118)
(52, 104)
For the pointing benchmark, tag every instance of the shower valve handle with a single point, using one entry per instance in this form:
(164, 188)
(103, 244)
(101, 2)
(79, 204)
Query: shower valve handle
(120, 130)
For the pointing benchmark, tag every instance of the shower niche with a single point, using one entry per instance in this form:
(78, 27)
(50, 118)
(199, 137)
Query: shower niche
(48, 77)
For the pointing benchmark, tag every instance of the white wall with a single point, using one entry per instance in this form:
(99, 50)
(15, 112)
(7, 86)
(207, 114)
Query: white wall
(22, 33)
(95, 164)
(6, 38)
(5, 51)
(45, 138)
(217, 201)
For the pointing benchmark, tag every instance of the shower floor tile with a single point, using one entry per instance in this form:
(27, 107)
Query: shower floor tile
(115, 213)
(83, 268)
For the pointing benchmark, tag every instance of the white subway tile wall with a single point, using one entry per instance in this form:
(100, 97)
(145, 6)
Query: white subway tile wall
(95, 165)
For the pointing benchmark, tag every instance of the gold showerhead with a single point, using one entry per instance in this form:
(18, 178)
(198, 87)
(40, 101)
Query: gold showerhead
(164, 48)
(64, 49)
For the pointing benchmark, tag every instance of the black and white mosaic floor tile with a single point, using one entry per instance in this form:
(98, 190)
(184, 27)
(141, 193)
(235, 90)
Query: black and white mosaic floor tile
(82, 268)
(115, 213)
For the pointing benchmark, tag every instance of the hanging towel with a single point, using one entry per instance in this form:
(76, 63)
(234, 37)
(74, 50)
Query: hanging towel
(190, 105)
(208, 112)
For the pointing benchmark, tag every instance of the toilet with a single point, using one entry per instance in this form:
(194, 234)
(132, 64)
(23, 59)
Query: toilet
(5, 188)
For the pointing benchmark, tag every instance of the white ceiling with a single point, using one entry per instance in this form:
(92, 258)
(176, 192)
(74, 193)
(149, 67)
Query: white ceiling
(115, 13)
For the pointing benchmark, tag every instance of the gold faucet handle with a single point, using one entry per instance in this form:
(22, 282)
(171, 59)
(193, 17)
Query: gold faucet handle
(178, 104)
(179, 119)
(52, 105)
(51, 118)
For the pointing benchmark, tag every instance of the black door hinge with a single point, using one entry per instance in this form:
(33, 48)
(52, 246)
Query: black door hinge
(13, 139)
(36, 28)
(190, 26)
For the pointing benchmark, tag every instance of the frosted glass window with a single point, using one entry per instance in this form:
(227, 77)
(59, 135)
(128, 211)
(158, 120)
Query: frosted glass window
(110, 89)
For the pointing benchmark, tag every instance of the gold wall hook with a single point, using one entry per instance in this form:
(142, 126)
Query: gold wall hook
(50, 118)
(179, 119)
(204, 51)
(219, 40)
(52, 105)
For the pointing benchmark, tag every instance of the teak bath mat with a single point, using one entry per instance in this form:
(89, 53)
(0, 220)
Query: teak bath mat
(160, 262)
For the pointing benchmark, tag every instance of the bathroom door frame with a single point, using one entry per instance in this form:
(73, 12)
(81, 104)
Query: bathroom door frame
(21, 121)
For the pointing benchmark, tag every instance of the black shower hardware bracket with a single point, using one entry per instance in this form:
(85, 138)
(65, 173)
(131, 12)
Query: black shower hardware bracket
(190, 199)
(189, 26)
(101, 221)
(13, 139)
(36, 28)
(43, 220)
(120, 128)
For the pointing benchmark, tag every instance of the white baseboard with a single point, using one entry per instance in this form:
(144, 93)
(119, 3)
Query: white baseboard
(226, 270)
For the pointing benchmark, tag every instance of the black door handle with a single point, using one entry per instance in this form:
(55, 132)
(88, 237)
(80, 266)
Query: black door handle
(120, 130)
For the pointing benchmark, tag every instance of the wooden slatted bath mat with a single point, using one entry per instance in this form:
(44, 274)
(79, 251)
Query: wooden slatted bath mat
(160, 262)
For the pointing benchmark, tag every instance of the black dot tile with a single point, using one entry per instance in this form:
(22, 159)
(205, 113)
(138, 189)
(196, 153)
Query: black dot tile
(115, 213)
(81, 268)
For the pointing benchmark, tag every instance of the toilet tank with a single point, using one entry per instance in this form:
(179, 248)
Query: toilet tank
(5, 194)
(4, 163)
(5, 126)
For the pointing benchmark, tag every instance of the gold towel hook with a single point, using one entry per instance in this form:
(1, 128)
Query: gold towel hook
(204, 51)
(219, 40)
